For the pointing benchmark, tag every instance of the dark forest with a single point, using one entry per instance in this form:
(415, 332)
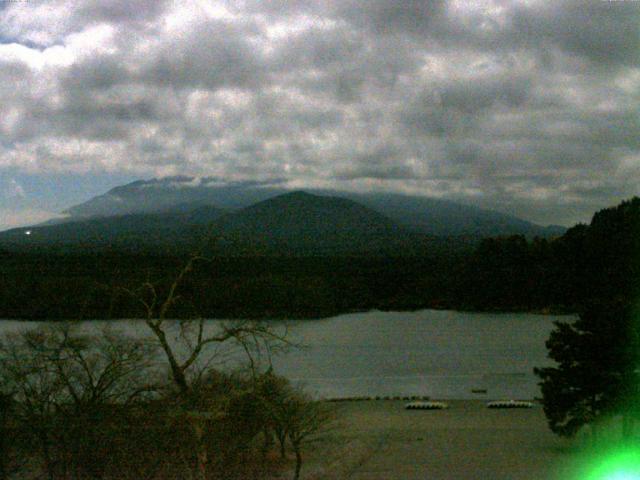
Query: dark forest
(509, 273)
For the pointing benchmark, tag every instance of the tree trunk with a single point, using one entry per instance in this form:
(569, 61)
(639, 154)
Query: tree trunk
(283, 451)
(4, 452)
(268, 442)
(4, 445)
(48, 462)
(201, 473)
(176, 371)
(201, 450)
(3, 455)
(296, 475)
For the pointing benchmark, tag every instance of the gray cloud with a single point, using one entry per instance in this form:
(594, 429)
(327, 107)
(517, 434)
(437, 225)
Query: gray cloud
(211, 55)
(604, 32)
(44, 24)
(383, 163)
(383, 17)
(378, 172)
(530, 108)
(119, 11)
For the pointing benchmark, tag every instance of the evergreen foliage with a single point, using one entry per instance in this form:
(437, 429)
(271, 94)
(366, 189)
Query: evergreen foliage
(598, 356)
(597, 372)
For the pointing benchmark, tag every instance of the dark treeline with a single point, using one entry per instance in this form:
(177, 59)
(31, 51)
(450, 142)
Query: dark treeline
(595, 378)
(589, 262)
(64, 285)
(499, 274)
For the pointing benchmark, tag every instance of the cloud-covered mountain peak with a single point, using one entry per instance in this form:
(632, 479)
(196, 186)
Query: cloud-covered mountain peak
(422, 214)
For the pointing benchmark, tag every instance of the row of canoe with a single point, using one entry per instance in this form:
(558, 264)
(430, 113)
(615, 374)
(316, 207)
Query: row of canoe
(443, 405)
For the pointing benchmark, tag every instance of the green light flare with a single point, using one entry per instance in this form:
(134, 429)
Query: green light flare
(616, 465)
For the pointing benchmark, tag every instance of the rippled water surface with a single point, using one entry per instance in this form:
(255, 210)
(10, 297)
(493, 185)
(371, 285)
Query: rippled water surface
(442, 354)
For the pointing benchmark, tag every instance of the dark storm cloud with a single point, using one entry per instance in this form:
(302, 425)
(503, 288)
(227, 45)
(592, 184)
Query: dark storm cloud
(94, 74)
(212, 55)
(604, 32)
(529, 107)
(378, 172)
(384, 163)
(385, 17)
(313, 48)
(475, 95)
(277, 9)
(119, 11)
(452, 105)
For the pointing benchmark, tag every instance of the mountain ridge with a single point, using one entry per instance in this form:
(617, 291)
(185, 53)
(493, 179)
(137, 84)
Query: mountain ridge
(294, 223)
(426, 215)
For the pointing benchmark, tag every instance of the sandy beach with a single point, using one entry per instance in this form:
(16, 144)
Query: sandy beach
(380, 440)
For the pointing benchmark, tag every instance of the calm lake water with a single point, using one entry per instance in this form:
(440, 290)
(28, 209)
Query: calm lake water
(442, 354)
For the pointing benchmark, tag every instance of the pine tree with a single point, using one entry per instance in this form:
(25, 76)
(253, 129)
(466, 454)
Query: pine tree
(597, 368)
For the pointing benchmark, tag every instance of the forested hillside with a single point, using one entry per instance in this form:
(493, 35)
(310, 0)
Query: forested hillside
(500, 274)
(599, 260)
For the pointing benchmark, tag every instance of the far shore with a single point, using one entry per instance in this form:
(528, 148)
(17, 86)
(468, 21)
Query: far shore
(311, 316)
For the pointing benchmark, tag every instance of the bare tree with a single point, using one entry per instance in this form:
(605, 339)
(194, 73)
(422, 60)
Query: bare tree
(63, 382)
(304, 419)
(37, 391)
(194, 336)
(6, 407)
(274, 391)
(294, 416)
(195, 347)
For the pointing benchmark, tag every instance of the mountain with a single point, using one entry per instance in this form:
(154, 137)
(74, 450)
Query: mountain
(303, 223)
(130, 231)
(420, 214)
(294, 223)
(445, 218)
(161, 195)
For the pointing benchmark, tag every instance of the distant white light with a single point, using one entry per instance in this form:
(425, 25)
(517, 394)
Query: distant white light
(27, 232)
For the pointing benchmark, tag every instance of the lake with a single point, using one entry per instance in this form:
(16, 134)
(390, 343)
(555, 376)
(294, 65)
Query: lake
(441, 354)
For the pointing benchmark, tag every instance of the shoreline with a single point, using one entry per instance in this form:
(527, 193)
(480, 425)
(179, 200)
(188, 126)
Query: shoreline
(317, 317)
(414, 398)
(384, 441)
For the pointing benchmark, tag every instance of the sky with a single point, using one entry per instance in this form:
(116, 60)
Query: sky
(526, 107)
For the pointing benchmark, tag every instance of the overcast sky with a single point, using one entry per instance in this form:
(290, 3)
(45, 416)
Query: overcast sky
(530, 108)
